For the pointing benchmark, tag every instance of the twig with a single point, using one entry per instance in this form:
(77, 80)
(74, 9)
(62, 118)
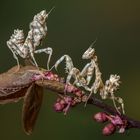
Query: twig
(59, 88)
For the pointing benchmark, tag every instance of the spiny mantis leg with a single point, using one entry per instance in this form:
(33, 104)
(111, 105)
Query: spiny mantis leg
(33, 58)
(48, 51)
(88, 73)
(120, 101)
(68, 61)
(28, 61)
(15, 56)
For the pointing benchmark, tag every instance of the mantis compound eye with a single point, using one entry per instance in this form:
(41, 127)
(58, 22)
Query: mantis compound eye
(43, 13)
(41, 17)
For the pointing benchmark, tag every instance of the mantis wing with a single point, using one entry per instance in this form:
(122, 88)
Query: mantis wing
(31, 106)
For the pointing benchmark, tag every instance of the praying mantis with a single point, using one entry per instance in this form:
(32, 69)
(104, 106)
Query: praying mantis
(20, 82)
(26, 48)
(84, 77)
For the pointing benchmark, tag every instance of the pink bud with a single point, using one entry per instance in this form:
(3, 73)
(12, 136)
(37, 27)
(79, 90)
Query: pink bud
(58, 107)
(78, 93)
(116, 120)
(69, 88)
(68, 99)
(62, 102)
(73, 103)
(100, 117)
(49, 75)
(108, 129)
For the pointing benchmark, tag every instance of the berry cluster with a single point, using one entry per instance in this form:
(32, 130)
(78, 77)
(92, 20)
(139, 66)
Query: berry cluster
(64, 102)
(116, 123)
(47, 75)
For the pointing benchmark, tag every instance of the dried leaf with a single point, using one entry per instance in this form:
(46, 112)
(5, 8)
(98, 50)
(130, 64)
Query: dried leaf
(31, 106)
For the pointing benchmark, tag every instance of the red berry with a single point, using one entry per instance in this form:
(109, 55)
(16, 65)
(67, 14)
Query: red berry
(62, 102)
(73, 103)
(58, 107)
(68, 99)
(78, 93)
(108, 129)
(100, 117)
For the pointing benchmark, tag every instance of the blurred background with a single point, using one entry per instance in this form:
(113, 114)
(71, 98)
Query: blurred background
(72, 26)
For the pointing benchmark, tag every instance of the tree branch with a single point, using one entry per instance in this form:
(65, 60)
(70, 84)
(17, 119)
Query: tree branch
(60, 87)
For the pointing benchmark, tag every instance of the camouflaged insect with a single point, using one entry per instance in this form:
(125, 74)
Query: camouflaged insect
(26, 48)
(83, 78)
